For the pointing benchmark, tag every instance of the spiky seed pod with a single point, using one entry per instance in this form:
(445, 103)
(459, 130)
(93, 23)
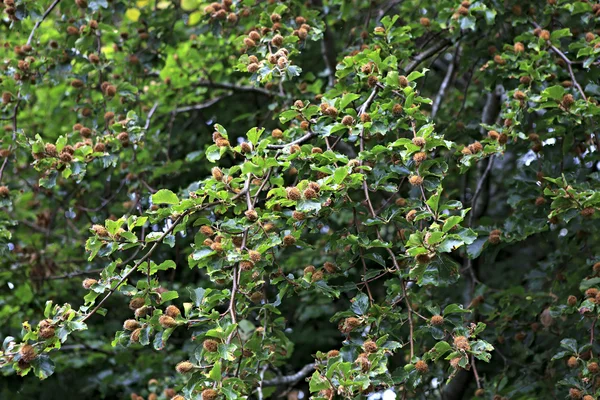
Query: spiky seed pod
(350, 324)
(252, 215)
(591, 292)
(348, 120)
(131, 325)
(587, 212)
(425, 22)
(587, 396)
(232, 18)
(403, 81)
(421, 366)
(246, 147)
(462, 343)
(246, 265)
(4, 191)
(209, 394)
(437, 320)
(141, 312)
(217, 174)
(370, 346)
(310, 269)
(167, 322)
(493, 135)
(222, 143)
(419, 141)
(66, 157)
(596, 268)
(293, 193)
(332, 112)
(329, 267)
(572, 301)
(372, 80)
(463, 10)
(544, 34)
(51, 150)
(77, 83)
(282, 62)
(575, 393)
(411, 215)
(88, 283)
(99, 147)
(110, 90)
(317, 276)
(289, 240)
(184, 367)
(567, 101)
(249, 42)
(333, 353)
(123, 137)
(136, 303)
(494, 237)
(366, 69)
(6, 97)
(253, 67)
(572, 362)
(277, 134)
(304, 125)
(519, 95)
(169, 393)
(172, 311)
(525, 80)
(519, 47)
(216, 246)
(302, 34)
(254, 255)
(499, 60)
(210, 345)
(298, 216)
(593, 367)
(207, 230)
(503, 139)
(135, 335)
(27, 353)
(316, 150)
(419, 157)
(153, 396)
(415, 180)
(475, 147)
(589, 37)
(85, 132)
(256, 297)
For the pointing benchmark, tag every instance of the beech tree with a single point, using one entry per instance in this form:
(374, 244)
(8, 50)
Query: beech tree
(324, 198)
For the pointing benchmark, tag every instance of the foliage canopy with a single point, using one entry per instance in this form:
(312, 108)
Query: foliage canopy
(253, 199)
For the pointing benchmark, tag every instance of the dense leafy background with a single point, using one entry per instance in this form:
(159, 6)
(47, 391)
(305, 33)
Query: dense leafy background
(332, 198)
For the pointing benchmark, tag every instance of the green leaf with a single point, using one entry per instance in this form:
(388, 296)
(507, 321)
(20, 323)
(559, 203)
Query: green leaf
(165, 196)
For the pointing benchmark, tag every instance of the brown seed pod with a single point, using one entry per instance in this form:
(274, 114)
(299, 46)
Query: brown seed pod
(136, 303)
(572, 301)
(254, 255)
(499, 60)
(421, 367)
(411, 215)
(475, 147)
(131, 325)
(403, 81)
(347, 120)
(572, 362)
(370, 346)
(544, 34)
(4, 191)
(298, 216)
(209, 394)
(210, 345)
(167, 322)
(350, 324)
(587, 212)
(567, 101)
(519, 47)
(425, 22)
(329, 267)
(519, 95)
(415, 180)
(419, 157)
(333, 353)
(88, 283)
(462, 343)
(437, 320)
(172, 311)
(110, 90)
(252, 67)
(252, 215)
(246, 265)
(575, 393)
(494, 236)
(184, 367)
(217, 174)
(293, 193)
(289, 240)
(372, 80)
(6, 97)
(27, 353)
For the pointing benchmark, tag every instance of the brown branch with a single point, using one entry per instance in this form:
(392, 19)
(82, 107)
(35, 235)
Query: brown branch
(300, 140)
(39, 22)
(567, 61)
(290, 379)
(419, 58)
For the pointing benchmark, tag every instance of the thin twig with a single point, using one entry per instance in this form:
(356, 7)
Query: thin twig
(38, 23)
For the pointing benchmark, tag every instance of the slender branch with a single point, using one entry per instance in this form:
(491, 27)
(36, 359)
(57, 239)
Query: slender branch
(200, 106)
(300, 140)
(479, 187)
(150, 114)
(237, 88)
(568, 62)
(445, 83)
(290, 379)
(39, 22)
(419, 58)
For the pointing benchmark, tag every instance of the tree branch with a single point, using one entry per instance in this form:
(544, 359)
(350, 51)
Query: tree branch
(290, 379)
(37, 24)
